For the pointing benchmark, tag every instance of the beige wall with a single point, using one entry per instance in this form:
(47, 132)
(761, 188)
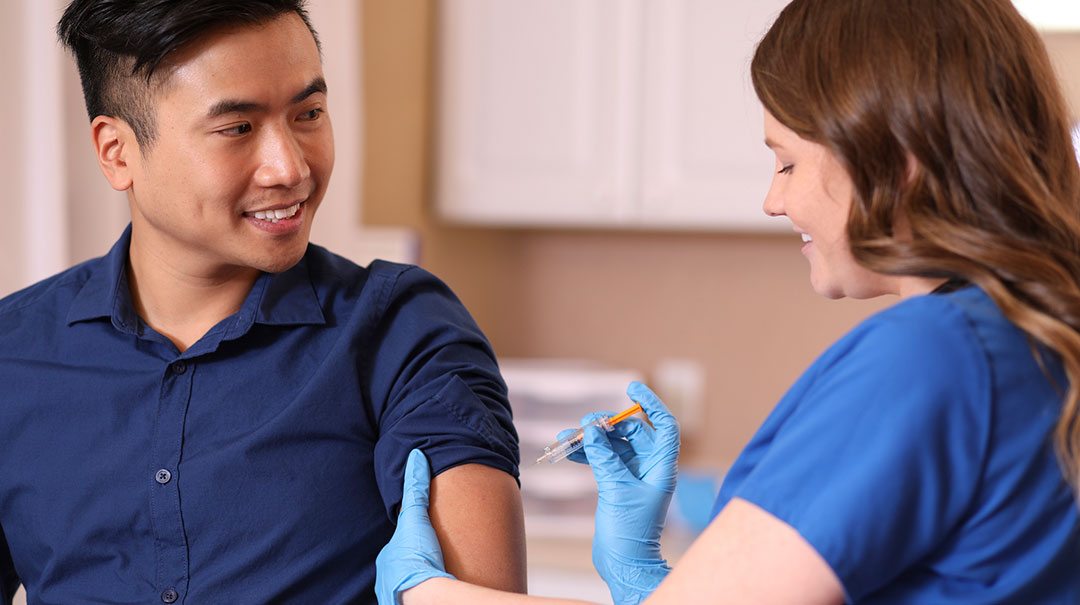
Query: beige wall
(741, 304)
(1064, 49)
(12, 41)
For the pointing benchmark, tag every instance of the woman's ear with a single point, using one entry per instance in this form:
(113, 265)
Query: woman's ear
(901, 225)
(912, 167)
(114, 143)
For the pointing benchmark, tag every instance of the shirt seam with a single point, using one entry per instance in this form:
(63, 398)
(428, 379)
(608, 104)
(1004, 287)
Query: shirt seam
(481, 430)
(985, 398)
(43, 290)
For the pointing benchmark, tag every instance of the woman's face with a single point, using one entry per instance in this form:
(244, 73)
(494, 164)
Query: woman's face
(813, 190)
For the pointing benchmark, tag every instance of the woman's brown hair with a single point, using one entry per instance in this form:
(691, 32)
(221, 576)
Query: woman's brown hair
(949, 119)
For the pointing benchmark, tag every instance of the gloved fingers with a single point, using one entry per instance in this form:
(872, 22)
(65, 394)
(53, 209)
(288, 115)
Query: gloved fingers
(414, 495)
(413, 553)
(579, 456)
(605, 461)
(621, 447)
(622, 430)
(630, 438)
(636, 431)
(634, 443)
(660, 417)
(593, 416)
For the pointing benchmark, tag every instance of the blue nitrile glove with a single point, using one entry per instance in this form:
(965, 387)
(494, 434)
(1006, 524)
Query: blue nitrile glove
(635, 479)
(413, 554)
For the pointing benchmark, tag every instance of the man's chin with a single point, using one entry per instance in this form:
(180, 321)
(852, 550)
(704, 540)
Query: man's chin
(280, 263)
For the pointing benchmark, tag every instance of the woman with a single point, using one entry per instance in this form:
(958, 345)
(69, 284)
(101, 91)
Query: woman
(932, 454)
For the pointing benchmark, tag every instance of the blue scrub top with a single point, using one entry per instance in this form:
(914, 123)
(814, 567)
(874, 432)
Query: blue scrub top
(915, 456)
(262, 465)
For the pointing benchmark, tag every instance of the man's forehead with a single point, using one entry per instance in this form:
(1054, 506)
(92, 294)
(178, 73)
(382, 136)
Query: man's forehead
(281, 43)
(265, 63)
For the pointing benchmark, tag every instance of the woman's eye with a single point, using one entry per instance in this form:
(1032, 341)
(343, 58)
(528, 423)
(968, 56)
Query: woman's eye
(786, 169)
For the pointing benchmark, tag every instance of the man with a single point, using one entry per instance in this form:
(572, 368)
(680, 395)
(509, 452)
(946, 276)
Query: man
(217, 411)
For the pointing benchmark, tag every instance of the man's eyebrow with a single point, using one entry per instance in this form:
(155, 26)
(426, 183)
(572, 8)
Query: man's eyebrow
(317, 85)
(226, 106)
(233, 106)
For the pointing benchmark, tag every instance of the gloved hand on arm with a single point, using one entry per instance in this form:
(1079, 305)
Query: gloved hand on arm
(635, 467)
(413, 555)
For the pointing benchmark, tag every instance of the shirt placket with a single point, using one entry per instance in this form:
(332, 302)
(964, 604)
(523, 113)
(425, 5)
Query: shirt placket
(169, 535)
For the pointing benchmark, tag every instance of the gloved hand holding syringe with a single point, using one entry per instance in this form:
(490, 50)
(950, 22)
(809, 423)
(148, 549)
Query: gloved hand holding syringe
(635, 465)
(571, 443)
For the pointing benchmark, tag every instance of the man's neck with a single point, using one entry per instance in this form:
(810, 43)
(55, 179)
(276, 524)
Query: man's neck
(183, 302)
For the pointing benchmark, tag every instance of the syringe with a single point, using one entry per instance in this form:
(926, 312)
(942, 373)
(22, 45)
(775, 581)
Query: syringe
(574, 441)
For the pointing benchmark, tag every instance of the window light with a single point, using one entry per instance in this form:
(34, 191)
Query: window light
(1051, 15)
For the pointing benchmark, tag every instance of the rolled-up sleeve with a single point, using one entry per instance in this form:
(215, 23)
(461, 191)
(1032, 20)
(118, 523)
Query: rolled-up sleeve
(434, 385)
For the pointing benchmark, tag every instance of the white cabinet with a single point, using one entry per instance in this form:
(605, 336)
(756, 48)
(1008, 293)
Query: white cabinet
(601, 113)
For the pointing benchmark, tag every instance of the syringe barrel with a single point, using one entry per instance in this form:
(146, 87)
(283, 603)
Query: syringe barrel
(572, 442)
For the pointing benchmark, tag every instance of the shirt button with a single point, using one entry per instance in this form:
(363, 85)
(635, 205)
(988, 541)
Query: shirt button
(169, 596)
(179, 367)
(162, 476)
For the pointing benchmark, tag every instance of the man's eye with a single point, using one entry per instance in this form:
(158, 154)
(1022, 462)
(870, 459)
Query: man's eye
(786, 169)
(237, 130)
(311, 115)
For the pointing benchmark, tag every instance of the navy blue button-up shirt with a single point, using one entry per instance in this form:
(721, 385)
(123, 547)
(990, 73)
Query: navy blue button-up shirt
(261, 465)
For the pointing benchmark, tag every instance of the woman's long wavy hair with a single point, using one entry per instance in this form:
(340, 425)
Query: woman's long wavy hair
(949, 119)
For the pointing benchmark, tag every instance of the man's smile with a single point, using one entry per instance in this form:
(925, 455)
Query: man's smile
(275, 215)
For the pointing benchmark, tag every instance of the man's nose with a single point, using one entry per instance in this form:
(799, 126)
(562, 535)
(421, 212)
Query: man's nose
(282, 162)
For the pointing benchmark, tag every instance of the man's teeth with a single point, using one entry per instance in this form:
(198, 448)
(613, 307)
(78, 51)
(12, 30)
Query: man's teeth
(806, 237)
(276, 215)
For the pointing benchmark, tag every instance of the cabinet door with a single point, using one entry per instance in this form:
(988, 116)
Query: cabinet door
(704, 163)
(537, 111)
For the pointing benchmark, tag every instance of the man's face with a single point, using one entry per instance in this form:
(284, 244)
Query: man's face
(242, 154)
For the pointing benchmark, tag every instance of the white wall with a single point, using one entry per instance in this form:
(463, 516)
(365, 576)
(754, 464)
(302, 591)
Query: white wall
(57, 209)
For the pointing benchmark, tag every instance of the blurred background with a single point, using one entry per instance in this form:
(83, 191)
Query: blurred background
(587, 175)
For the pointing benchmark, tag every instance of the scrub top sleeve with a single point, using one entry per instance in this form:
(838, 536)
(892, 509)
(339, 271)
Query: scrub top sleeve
(883, 452)
(436, 386)
(9, 580)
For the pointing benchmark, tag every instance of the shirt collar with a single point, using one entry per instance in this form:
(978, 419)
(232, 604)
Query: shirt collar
(105, 293)
(280, 299)
(286, 298)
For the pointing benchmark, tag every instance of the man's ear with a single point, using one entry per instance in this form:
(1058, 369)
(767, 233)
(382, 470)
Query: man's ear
(114, 143)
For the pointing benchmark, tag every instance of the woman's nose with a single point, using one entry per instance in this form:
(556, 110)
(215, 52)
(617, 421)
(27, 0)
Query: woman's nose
(773, 206)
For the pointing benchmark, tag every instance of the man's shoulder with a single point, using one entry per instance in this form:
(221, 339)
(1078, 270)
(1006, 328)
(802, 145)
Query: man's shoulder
(368, 293)
(330, 270)
(49, 295)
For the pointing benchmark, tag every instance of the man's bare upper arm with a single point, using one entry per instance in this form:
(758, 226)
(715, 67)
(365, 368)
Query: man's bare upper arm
(476, 512)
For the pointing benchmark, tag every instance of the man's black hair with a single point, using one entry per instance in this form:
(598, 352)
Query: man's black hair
(119, 45)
